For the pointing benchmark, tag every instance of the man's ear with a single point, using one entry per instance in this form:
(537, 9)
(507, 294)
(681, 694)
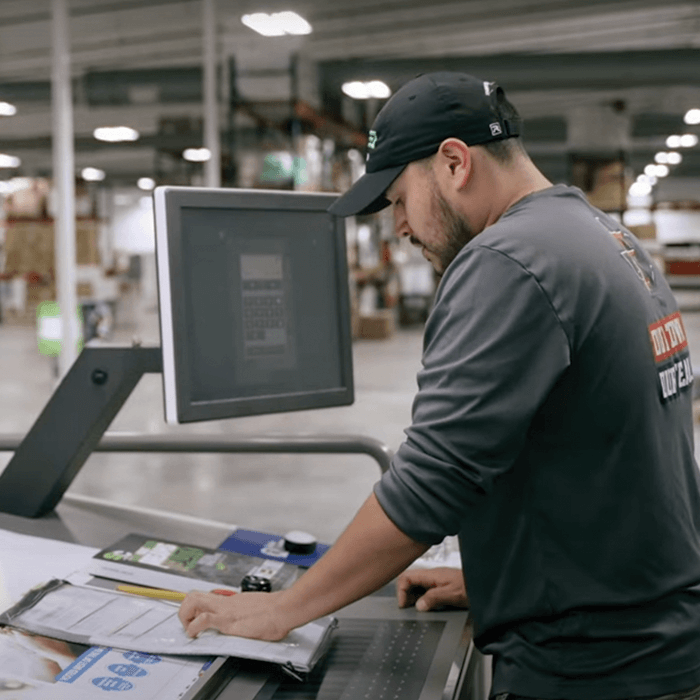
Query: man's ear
(454, 163)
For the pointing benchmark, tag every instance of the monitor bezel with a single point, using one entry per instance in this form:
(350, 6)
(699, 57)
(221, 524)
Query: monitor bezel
(179, 406)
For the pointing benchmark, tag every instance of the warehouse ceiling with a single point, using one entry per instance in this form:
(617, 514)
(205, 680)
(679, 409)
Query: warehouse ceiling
(566, 64)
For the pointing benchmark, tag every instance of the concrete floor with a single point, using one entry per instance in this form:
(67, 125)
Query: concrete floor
(272, 493)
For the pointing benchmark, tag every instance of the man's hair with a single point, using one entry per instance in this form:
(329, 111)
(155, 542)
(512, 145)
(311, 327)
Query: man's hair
(503, 152)
(506, 150)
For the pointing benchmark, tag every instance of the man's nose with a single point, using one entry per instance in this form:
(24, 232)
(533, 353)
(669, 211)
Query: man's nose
(401, 227)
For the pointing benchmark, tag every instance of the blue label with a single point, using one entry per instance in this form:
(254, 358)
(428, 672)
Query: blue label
(130, 670)
(139, 658)
(255, 544)
(112, 683)
(83, 663)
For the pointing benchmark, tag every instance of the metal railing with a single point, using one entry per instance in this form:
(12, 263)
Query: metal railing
(263, 444)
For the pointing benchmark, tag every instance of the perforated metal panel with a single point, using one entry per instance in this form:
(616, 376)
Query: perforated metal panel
(371, 660)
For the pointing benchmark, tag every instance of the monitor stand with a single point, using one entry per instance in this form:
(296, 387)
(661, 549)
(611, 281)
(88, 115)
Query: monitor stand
(70, 426)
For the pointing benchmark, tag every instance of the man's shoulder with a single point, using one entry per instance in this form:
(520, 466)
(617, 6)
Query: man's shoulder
(549, 216)
(552, 227)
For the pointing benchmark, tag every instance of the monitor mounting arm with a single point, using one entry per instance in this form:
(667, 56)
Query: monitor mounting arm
(70, 426)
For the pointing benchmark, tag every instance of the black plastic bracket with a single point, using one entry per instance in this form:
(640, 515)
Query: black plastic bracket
(70, 426)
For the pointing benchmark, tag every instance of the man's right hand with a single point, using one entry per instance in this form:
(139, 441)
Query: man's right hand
(253, 615)
(432, 589)
(371, 552)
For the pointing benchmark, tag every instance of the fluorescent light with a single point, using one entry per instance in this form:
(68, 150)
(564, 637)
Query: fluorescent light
(145, 183)
(361, 90)
(689, 140)
(196, 155)
(378, 89)
(673, 141)
(7, 110)
(656, 170)
(356, 89)
(672, 158)
(640, 189)
(7, 161)
(294, 23)
(277, 23)
(692, 116)
(115, 134)
(92, 174)
(262, 23)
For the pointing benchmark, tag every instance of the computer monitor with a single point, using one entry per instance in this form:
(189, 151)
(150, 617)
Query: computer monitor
(254, 302)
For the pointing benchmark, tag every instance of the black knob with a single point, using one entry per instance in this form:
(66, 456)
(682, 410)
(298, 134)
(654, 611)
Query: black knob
(298, 542)
(99, 377)
(256, 583)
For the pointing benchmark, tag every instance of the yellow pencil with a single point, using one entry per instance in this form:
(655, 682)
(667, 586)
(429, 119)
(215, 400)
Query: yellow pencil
(152, 592)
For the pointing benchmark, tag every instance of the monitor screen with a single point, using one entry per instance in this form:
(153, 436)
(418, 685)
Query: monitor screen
(254, 303)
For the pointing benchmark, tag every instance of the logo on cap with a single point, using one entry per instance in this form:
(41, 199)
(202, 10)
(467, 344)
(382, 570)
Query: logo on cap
(372, 141)
(495, 129)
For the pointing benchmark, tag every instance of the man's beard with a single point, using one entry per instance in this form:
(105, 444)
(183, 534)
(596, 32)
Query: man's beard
(455, 229)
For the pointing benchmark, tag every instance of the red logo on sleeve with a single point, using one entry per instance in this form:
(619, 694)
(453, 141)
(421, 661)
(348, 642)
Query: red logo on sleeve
(668, 337)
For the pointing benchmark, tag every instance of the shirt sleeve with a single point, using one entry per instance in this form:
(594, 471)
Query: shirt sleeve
(494, 348)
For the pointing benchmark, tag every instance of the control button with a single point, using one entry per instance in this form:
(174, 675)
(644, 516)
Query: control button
(298, 542)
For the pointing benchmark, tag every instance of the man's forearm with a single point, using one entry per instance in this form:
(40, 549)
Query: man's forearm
(370, 553)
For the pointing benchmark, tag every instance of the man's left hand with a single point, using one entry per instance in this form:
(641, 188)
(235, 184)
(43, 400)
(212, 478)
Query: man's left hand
(432, 589)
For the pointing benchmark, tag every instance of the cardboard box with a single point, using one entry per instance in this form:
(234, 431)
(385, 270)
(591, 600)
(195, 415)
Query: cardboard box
(30, 246)
(377, 326)
(644, 231)
(30, 202)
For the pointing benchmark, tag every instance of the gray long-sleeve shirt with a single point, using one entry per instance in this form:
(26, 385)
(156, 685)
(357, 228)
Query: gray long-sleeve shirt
(553, 432)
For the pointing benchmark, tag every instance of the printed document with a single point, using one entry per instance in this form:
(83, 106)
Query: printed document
(96, 616)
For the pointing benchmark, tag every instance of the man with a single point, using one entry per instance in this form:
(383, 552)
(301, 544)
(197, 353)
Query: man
(552, 430)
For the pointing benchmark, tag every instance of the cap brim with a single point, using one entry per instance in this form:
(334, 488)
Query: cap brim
(366, 196)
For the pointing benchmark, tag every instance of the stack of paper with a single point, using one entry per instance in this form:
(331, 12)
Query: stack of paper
(109, 618)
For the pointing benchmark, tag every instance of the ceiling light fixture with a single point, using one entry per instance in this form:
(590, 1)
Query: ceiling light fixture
(277, 23)
(196, 155)
(115, 134)
(689, 140)
(7, 110)
(656, 170)
(7, 161)
(640, 189)
(668, 158)
(146, 183)
(92, 174)
(365, 90)
(692, 116)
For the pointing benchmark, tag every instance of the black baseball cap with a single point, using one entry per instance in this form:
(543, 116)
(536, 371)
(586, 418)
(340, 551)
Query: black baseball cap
(415, 121)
